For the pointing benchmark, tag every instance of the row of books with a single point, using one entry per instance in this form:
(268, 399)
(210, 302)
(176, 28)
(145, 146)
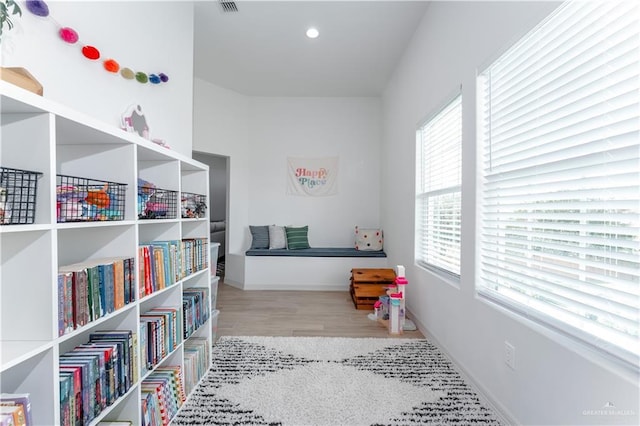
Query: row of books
(15, 409)
(195, 309)
(94, 375)
(163, 263)
(160, 334)
(195, 255)
(162, 395)
(196, 361)
(90, 290)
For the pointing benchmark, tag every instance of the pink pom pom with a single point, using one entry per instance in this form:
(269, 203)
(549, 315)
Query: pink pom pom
(69, 35)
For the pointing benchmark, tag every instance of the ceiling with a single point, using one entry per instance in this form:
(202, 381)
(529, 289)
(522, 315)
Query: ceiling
(262, 50)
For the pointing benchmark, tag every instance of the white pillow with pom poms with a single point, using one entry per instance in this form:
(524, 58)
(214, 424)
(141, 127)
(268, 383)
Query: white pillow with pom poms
(369, 239)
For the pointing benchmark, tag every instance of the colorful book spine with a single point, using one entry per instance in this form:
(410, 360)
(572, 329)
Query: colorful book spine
(66, 389)
(166, 383)
(23, 400)
(15, 413)
(61, 304)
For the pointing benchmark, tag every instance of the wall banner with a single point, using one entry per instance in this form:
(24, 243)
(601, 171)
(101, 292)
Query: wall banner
(315, 177)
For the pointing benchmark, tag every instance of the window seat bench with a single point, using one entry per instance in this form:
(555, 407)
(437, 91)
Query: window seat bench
(316, 268)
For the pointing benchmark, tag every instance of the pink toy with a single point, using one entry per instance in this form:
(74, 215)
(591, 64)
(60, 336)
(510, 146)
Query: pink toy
(401, 283)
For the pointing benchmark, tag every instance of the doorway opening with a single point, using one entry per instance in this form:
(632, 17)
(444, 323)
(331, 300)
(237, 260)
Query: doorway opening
(218, 203)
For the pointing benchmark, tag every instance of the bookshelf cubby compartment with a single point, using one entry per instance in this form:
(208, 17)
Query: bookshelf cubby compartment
(80, 199)
(49, 138)
(18, 194)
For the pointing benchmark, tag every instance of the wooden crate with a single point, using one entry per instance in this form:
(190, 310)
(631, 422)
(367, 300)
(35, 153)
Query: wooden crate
(368, 284)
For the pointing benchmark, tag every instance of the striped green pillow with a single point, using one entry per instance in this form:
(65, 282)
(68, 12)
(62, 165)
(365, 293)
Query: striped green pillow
(297, 237)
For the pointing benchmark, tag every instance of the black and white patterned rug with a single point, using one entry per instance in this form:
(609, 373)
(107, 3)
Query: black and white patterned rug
(296, 381)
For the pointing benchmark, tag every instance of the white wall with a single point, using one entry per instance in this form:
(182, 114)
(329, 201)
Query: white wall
(347, 128)
(146, 36)
(555, 382)
(257, 134)
(221, 126)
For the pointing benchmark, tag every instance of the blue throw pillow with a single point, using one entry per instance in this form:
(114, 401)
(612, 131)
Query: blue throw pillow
(259, 237)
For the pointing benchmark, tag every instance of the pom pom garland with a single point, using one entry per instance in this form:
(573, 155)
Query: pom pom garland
(38, 8)
(69, 35)
(111, 65)
(127, 73)
(91, 52)
(141, 77)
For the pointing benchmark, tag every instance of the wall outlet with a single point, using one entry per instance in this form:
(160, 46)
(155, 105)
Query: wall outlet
(509, 355)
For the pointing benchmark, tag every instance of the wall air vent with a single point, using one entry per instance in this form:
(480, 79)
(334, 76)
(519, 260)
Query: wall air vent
(228, 6)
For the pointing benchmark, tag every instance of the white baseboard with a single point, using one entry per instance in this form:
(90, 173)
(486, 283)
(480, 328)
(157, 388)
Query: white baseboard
(232, 283)
(484, 394)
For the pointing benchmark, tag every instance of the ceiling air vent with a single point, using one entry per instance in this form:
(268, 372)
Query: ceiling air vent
(228, 6)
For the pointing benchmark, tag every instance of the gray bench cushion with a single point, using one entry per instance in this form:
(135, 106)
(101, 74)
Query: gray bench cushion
(317, 252)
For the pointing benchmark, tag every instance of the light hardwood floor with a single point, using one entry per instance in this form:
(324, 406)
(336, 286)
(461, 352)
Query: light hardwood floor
(295, 313)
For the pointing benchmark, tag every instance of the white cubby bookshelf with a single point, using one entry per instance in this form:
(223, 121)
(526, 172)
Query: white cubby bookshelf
(39, 135)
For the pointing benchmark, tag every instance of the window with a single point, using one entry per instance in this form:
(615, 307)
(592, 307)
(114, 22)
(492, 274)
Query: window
(560, 187)
(438, 190)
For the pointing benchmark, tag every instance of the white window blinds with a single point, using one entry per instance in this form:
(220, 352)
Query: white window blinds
(560, 199)
(438, 186)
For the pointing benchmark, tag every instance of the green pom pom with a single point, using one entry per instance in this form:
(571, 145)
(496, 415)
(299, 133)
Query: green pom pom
(141, 77)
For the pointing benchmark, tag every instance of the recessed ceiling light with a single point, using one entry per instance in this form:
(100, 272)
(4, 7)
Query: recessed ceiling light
(312, 33)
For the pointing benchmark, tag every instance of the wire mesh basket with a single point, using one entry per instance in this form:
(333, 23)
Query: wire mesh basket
(89, 200)
(158, 204)
(18, 190)
(193, 206)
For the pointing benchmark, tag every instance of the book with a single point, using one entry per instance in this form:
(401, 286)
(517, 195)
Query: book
(6, 419)
(134, 356)
(172, 326)
(156, 399)
(174, 374)
(195, 307)
(196, 361)
(164, 260)
(125, 339)
(104, 397)
(118, 282)
(141, 273)
(74, 406)
(91, 384)
(68, 302)
(22, 399)
(129, 290)
(76, 397)
(151, 347)
(16, 412)
(151, 415)
(95, 304)
(158, 263)
(107, 286)
(144, 356)
(149, 270)
(61, 304)
(79, 293)
(166, 383)
(66, 389)
(112, 365)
